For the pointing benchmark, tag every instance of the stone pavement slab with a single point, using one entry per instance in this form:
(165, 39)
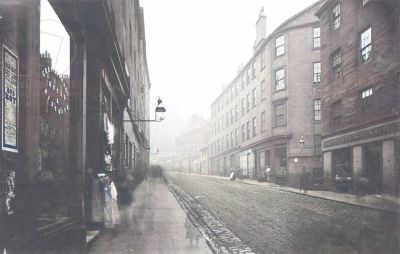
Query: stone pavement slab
(154, 223)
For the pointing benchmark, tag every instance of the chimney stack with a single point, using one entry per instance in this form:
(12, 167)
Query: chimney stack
(261, 29)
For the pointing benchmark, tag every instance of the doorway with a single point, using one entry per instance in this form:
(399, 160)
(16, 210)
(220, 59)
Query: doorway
(372, 166)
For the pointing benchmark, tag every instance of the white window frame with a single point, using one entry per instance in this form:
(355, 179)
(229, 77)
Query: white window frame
(280, 45)
(317, 72)
(365, 45)
(336, 20)
(316, 37)
(280, 83)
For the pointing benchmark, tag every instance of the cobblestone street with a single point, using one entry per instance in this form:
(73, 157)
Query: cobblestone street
(275, 221)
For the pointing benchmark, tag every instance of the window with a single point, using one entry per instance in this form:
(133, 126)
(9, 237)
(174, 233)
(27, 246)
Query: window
(232, 116)
(254, 96)
(262, 60)
(231, 138)
(237, 137)
(280, 79)
(248, 129)
(364, 2)
(243, 106)
(248, 102)
(280, 45)
(226, 141)
(336, 113)
(366, 97)
(254, 126)
(262, 86)
(337, 61)
(336, 17)
(365, 45)
(243, 81)
(263, 121)
(317, 72)
(227, 119)
(243, 132)
(316, 37)
(317, 110)
(236, 112)
(366, 93)
(317, 143)
(222, 123)
(280, 114)
(248, 76)
(253, 70)
(236, 89)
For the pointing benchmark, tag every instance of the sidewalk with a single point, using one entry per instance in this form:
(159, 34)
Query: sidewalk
(154, 223)
(384, 202)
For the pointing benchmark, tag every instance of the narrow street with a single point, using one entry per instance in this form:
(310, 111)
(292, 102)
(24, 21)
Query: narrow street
(275, 221)
(155, 223)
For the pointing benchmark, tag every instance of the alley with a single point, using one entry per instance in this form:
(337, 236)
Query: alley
(275, 221)
(155, 223)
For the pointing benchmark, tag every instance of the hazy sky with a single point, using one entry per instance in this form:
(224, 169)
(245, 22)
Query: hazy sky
(194, 47)
(54, 38)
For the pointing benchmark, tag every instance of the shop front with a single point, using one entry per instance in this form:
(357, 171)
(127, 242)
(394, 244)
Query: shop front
(363, 161)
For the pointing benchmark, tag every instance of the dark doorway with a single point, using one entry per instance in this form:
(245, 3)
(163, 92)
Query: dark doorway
(342, 169)
(372, 166)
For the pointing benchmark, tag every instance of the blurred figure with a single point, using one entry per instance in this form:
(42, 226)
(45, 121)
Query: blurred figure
(304, 180)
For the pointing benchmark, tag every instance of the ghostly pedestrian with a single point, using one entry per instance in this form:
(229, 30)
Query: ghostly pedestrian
(304, 180)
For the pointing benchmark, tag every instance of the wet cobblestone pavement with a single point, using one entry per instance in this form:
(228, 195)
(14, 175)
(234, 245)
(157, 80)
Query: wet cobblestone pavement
(274, 221)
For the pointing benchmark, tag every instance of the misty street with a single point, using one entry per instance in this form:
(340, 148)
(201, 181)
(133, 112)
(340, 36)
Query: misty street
(275, 221)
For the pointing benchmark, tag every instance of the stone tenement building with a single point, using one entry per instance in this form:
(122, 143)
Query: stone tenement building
(360, 96)
(272, 105)
(188, 157)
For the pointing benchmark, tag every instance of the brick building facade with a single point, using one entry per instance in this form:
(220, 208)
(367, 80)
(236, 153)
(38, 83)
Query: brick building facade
(360, 96)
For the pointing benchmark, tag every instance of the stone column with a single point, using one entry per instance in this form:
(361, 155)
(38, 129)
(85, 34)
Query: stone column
(388, 163)
(327, 160)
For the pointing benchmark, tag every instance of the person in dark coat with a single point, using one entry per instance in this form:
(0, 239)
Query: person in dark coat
(304, 180)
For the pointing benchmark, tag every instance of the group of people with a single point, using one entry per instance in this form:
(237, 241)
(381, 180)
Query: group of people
(108, 193)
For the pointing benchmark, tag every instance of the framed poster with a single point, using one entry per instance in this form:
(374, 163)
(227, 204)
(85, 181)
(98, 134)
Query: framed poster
(9, 101)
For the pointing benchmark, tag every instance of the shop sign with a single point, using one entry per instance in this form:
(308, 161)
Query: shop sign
(10, 101)
(379, 131)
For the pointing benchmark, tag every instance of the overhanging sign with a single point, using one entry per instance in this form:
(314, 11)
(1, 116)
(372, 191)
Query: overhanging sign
(9, 91)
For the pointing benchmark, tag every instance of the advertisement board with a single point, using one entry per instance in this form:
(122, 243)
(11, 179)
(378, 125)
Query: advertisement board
(9, 86)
